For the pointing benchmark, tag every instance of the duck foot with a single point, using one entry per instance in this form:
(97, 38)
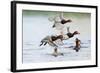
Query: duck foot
(62, 54)
(77, 50)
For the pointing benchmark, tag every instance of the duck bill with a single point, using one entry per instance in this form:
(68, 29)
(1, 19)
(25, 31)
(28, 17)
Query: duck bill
(78, 33)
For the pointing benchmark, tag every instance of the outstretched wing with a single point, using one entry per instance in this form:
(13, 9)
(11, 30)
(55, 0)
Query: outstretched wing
(51, 43)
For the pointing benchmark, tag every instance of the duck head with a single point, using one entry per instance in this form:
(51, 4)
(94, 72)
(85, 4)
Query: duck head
(65, 21)
(69, 20)
(76, 32)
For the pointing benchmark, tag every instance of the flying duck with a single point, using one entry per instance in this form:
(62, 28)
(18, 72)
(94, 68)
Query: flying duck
(77, 44)
(60, 19)
(59, 22)
(51, 40)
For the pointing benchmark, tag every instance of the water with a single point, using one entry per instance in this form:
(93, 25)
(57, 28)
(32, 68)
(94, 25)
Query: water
(33, 54)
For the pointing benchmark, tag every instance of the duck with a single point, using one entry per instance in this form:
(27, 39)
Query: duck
(59, 22)
(77, 44)
(70, 35)
(51, 40)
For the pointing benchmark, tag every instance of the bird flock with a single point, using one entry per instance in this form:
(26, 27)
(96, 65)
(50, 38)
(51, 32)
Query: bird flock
(59, 23)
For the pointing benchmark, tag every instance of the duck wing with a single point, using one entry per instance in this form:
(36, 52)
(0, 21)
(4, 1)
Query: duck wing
(51, 43)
